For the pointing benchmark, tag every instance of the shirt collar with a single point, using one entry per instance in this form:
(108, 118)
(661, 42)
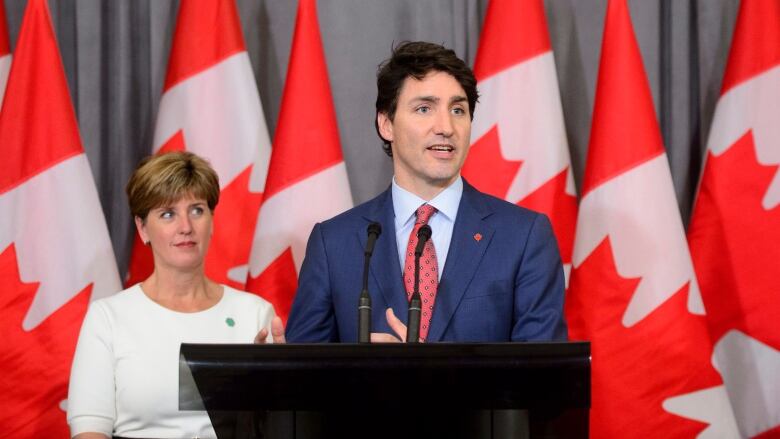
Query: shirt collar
(405, 203)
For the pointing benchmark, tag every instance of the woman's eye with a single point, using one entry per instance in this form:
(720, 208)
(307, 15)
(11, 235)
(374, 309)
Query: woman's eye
(166, 214)
(197, 211)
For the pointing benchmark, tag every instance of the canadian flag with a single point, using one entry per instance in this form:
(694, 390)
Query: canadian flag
(5, 52)
(55, 252)
(307, 179)
(519, 150)
(735, 226)
(633, 292)
(211, 106)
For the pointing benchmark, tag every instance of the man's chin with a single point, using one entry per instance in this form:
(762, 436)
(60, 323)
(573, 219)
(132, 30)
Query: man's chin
(442, 180)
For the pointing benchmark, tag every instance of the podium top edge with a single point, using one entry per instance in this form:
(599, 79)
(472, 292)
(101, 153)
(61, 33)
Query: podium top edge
(560, 350)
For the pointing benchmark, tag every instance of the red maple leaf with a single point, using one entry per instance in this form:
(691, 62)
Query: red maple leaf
(551, 199)
(277, 283)
(234, 226)
(734, 244)
(175, 143)
(487, 169)
(635, 369)
(36, 363)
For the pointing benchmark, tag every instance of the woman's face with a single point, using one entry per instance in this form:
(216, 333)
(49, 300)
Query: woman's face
(179, 233)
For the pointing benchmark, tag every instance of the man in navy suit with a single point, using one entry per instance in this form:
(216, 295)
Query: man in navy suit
(499, 271)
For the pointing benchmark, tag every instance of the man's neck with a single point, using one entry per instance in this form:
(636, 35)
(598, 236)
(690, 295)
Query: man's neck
(424, 189)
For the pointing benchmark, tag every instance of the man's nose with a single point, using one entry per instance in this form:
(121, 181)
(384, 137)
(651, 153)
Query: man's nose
(443, 124)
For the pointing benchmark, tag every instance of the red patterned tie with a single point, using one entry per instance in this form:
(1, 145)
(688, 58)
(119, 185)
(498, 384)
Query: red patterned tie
(429, 269)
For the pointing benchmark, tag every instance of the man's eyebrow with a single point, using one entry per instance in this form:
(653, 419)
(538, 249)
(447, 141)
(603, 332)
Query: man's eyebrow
(435, 99)
(431, 99)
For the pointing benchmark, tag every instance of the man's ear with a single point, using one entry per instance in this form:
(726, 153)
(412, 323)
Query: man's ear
(385, 126)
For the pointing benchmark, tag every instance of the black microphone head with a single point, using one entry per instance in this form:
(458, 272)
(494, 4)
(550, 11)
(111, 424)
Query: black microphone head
(375, 229)
(424, 233)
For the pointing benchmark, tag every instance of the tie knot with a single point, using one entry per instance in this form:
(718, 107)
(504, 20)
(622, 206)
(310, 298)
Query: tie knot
(424, 213)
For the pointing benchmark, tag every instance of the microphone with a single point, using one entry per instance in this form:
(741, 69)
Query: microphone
(423, 235)
(415, 305)
(364, 303)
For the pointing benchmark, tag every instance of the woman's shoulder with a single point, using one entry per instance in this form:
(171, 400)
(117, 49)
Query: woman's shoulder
(118, 306)
(122, 298)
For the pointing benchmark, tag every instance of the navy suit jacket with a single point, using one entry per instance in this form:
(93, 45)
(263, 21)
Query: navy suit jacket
(506, 286)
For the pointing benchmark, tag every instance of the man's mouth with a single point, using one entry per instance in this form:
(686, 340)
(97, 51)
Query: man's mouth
(442, 148)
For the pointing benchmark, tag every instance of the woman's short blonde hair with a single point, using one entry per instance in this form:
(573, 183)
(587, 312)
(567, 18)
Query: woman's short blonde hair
(165, 178)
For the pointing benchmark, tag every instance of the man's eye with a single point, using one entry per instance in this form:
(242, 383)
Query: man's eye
(459, 111)
(423, 110)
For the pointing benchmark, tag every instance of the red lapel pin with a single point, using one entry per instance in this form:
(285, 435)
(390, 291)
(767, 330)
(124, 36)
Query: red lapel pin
(477, 237)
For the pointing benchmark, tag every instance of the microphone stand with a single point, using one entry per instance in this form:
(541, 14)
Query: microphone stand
(415, 304)
(364, 303)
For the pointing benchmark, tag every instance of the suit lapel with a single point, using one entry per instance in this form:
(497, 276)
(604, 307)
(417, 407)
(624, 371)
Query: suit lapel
(464, 256)
(385, 268)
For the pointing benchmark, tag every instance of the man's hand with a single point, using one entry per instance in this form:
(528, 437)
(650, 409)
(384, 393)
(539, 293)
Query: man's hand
(396, 325)
(277, 332)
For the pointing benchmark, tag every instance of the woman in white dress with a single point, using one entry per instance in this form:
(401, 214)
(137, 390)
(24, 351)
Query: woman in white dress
(124, 380)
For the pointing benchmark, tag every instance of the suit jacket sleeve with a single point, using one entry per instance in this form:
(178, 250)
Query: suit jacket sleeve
(312, 317)
(539, 288)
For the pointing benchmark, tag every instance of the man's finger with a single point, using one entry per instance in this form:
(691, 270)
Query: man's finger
(381, 337)
(261, 336)
(277, 330)
(396, 325)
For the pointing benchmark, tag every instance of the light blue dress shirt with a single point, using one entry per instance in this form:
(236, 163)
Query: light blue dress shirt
(405, 205)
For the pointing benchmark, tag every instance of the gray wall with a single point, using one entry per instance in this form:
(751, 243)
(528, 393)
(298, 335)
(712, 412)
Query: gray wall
(115, 54)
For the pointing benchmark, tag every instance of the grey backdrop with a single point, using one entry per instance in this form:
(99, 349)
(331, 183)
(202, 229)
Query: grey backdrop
(115, 55)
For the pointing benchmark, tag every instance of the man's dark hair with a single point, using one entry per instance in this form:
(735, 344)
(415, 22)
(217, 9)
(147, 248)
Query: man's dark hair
(417, 59)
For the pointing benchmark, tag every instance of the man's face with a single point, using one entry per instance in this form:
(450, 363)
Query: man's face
(430, 133)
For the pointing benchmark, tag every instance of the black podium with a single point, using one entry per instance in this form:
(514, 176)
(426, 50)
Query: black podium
(389, 390)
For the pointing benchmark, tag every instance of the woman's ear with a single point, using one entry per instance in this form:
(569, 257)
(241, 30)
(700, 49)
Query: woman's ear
(140, 226)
